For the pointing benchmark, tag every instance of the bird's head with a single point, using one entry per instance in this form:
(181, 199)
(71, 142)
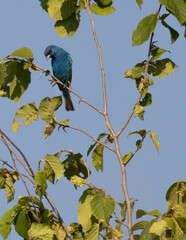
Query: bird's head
(51, 51)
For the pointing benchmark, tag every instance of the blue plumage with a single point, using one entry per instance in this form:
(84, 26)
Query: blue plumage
(62, 70)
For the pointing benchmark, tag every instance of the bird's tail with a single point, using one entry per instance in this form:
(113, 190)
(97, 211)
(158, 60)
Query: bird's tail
(68, 102)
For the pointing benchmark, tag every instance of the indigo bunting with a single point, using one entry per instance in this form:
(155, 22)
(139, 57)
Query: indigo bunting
(62, 70)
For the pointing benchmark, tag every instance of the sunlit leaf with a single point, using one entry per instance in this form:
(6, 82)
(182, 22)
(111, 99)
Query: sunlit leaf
(156, 53)
(97, 156)
(101, 10)
(22, 223)
(24, 52)
(40, 231)
(177, 7)
(139, 2)
(153, 136)
(78, 181)
(136, 71)
(158, 227)
(7, 221)
(47, 108)
(85, 216)
(102, 207)
(55, 164)
(40, 180)
(68, 27)
(9, 188)
(16, 80)
(139, 111)
(139, 225)
(145, 27)
(127, 157)
(141, 132)
(93, 232)
(28, 111)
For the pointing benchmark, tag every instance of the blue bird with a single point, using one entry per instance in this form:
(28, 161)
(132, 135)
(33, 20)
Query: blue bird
(62, 70)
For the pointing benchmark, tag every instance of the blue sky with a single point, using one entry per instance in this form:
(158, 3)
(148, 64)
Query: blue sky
(24, 23)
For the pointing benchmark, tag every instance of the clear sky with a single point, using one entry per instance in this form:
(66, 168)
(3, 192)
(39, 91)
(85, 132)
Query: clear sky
(24, 23)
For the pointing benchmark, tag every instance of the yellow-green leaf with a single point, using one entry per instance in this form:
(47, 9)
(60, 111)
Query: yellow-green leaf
(153, 136)
(145, 27)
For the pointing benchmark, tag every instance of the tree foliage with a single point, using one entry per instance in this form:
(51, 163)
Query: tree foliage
(97, 211)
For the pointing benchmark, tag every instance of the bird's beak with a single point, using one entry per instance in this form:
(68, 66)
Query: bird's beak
(48, 56)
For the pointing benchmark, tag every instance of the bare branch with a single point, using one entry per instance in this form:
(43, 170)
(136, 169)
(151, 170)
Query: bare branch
(81, 130)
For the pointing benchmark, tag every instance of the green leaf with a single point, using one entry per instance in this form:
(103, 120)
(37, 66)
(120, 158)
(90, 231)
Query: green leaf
(102, 207)
(141, 132)
(177, 7)
(68, 27)
(60, 10)
(139, 144)
(28, 111)
(153, 136)
(136, 71)
(74, 166)
(16, 79)
(93, 232)
(9, 188)
(2, 72)
(145, 235)
(59, 232)
(182, 223)
(7, 221)
(156, 53)
(101, 10)
(139, 2)
(139, 225)
(126, 158)
(139, 111)
(78, 181)
(147, 100)
(40, 180)
(177, 192)
(173, 33)
(145, 27)
(123, 209)
(40, 231)
(25, 201)
(76, 231)
(101, 135)
(105, 2)
(85, 216)
(24, 52)
(141, 212)
(162, 68)
(48, 130)
(47, 108)
(158, 227)
(44, 5)
(97, 156)
(55, 164)
(22, 223)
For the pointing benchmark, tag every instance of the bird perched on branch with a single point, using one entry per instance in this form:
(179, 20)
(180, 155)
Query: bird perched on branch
(62, 70)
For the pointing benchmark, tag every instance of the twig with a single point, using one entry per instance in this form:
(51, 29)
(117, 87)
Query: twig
(124, 224)
(70, 89)
(109, 126)
(175, 194)
(58, 215)
(30, 171)
(33, 176)
(81, 130)
(15, 166)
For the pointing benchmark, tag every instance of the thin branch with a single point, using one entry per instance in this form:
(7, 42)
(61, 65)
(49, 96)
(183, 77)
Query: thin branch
(59, 82)
(81, 130)
(33, 176)
(129, 118)
(144, 81)
(120, 220)
(58, 215)
(17, 158)
(100, 58)
(30, 171)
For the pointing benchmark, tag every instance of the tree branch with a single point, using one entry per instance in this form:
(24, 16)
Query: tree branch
(81, 130)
